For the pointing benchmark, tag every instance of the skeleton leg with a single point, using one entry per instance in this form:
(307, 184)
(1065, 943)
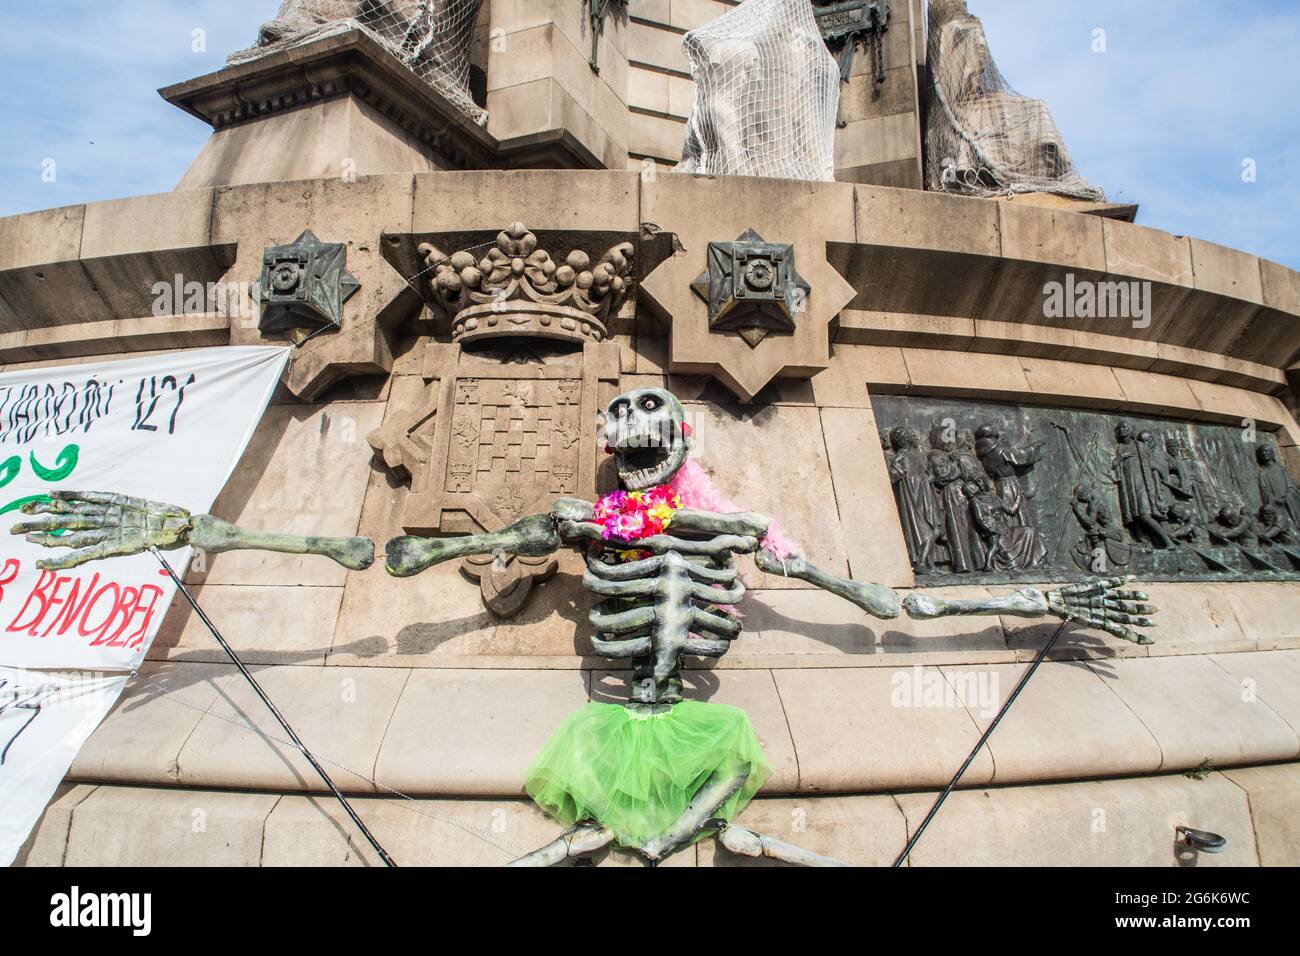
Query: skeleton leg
(745, 842)
(577, 841)
(717, 790)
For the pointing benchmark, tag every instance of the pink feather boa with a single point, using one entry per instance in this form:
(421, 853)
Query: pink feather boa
(696, 489)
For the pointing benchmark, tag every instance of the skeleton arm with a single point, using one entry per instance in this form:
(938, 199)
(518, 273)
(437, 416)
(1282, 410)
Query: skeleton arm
(98, 525)
(875, 599)
(1102, 603)
(534, 536)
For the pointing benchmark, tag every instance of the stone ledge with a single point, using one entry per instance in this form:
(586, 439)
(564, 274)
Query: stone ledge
(347, 61)
(949, 333)
(825, 730)
(1233, 314)
(859, 371)
(1115, 822)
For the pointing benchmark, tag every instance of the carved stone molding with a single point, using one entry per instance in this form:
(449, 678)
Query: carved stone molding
(517, 288)
(752, 288)
(705, 215)
(304, 285)
(494, 436)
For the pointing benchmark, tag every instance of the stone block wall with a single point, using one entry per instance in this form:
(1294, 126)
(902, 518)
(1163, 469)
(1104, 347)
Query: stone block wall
(410, 685)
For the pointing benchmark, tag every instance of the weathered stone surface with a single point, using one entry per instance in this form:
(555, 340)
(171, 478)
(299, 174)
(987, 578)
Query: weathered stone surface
(163, 221)
(142, 736)
(130, 826)
(1271, 676)
(1266, 612)
(1102, 823)
(1196, 710)
(1065, 719)
(919, 220)
(965, 373)
(340, 713)
(48, 841)
(807, 627)
(866, 327)
(862, 831)
(1143, 253)
(1038, 246)
(847, 724)
(1274, 797)
(878, 140)
(1072, 383)
(855, 371)
(267, 491)
(905, 235)
(1226, 271)
(51, 235)
(474, 732)
(1153, 392)
(795, 494)
(265, 625)
(314, 831)
(553, 199)
(875, 540)
(325, 140)
(413, 622)
(1196, 619)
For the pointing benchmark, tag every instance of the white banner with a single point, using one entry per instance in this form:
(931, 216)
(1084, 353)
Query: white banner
(169, 428)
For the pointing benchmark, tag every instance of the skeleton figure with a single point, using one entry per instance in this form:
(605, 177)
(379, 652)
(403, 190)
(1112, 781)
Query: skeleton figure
(671, 596)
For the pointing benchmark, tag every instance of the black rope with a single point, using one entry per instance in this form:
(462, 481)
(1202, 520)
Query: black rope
(243, 669)
(952, 784)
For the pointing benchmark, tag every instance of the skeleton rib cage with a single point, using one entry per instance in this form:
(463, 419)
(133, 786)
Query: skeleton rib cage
(675, 602)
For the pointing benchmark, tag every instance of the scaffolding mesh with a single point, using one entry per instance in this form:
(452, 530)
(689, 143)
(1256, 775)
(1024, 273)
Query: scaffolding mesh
(432, 37)
(982, 137)
(766, 94)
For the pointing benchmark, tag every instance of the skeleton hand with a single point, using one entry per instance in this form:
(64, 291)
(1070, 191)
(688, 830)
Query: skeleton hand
(1102, 603)
(98, 524)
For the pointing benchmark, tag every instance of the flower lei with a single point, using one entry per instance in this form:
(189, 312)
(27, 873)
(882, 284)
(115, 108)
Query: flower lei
(631, 515)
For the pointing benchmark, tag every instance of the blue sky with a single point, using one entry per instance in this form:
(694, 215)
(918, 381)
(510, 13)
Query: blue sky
(1186, 90)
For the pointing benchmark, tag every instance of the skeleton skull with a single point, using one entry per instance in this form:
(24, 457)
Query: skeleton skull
(645, 431)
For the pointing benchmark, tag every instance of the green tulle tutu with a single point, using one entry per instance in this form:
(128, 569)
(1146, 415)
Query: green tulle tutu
(636, 773)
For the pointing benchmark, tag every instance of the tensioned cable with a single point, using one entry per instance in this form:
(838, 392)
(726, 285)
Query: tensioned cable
(472, 830)
(1020, 685)
(275, 712)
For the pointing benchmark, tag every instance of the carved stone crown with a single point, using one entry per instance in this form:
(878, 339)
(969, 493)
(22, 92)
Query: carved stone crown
(517, 289)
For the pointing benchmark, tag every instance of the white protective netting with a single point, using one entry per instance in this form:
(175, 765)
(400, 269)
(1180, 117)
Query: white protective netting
(432, 37)
(766, 94)
(982, 137)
